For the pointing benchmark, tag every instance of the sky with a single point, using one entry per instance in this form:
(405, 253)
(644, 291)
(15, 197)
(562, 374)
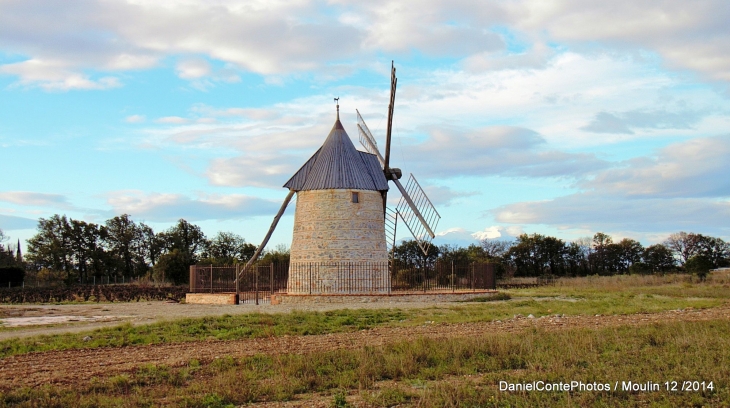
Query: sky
(562, 118)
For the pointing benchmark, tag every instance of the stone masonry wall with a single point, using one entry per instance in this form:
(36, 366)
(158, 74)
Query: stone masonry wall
(329, 228)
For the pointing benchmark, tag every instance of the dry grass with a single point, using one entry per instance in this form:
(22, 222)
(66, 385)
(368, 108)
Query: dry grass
(463, 371)
(436, 373)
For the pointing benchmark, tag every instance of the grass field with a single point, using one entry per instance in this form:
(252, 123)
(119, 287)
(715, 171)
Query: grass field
(459, 371)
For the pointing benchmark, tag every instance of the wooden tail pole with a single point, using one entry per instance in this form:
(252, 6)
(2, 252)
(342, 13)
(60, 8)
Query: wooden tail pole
(268, 235)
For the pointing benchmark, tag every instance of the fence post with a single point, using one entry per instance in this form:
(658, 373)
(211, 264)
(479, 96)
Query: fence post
(211, 279)
(193, 278)
(389, 277)
(425, 276)
(453, 282)
(238, 288)
(271, 282)
(256, 285)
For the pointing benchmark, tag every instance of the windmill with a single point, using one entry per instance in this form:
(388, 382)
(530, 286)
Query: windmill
(341, 213)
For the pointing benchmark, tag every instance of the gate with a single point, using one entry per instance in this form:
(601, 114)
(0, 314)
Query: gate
(260, 282)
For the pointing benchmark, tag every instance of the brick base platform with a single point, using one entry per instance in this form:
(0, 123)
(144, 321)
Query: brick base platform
(287, 299)
(211, 298)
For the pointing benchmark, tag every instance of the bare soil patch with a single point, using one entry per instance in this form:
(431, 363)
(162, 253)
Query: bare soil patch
(79, 366)
(137, 313)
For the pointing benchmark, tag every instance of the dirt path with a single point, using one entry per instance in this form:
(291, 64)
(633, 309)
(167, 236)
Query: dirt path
(138, 313)
(79, 366)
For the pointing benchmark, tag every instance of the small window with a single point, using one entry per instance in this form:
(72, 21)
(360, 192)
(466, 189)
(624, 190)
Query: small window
(355, 198)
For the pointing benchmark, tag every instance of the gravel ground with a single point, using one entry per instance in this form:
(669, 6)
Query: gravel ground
(84, 317)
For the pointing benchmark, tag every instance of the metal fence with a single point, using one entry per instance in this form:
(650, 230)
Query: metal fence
(260, 282)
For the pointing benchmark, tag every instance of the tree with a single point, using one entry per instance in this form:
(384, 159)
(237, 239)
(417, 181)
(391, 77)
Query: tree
(409, 253)
(601, 259)
(280, 254)
(535, 255)
(227, 248)
(6, 254)
(699, 265)
(187, 238)
(152, 243)
(629, 252)
(658, 258)
(495, 248)
(126, 246)
(714, 249)
(173, 267)
(576, 257)
(684, 245)
(51, 248)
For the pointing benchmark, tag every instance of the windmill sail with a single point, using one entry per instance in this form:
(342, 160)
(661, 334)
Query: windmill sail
(417, 212)
(366, 138)
(391, 222)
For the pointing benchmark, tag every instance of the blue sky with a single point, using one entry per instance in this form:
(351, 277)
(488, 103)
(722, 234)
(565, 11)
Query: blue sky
(557, 117)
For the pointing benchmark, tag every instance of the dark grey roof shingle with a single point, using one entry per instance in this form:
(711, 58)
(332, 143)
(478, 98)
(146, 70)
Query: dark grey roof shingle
(338, 165)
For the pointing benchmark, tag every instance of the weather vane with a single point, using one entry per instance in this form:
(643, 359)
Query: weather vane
(337, 102)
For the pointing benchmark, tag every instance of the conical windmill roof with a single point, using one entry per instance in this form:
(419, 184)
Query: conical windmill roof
(338, 165)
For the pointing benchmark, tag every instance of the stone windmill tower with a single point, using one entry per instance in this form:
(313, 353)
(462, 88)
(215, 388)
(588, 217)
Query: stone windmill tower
(341, 215)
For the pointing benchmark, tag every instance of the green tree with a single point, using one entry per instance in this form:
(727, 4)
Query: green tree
(280, 254)
(602, 259)
(187, 238)
(227, 248)
(536, 255)
(50, 247)
(152, 243)
(125, 244)
(173, 266)
(658, 258)
(576, 258)
(699, 265)
(86, 247)
(409, 253)
(629, 252)
(715, 250)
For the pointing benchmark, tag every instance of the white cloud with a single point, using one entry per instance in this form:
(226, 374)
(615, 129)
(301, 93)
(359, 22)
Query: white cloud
(687, 36)
(28, 198)
(625, 122)
(165, 207)
(134, 119)
(597, 212)
(683, 187)
(463, 237)
(193, 69)
(176, 120)
(55, 76)
(498, 150)
(696, 168)
(280, 38)
(261, 171)
(498, 231)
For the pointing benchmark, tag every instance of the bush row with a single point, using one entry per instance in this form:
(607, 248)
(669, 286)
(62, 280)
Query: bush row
(86, 293)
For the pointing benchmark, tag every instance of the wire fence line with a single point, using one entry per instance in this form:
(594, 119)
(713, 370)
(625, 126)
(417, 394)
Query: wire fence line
(341, 278)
